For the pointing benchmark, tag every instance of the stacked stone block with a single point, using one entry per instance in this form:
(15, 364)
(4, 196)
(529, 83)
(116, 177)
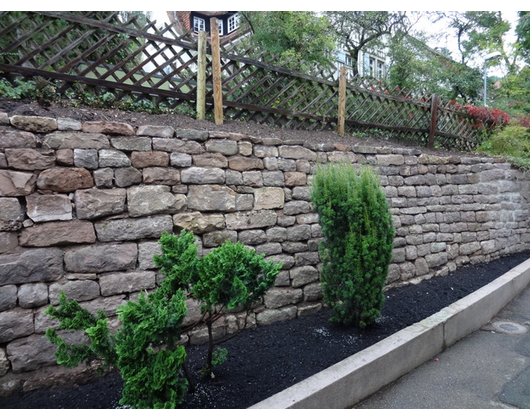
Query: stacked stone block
(82, 207)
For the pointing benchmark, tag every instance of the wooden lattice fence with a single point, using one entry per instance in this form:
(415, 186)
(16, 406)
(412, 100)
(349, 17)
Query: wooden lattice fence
(99, 52)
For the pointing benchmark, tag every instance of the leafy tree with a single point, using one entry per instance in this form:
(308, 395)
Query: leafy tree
(361, 30)
(358, 241)
(523, 34)
(302, 37)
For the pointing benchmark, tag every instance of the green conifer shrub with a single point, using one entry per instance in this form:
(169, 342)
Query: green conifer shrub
(358, 240)
(145, 349)
(230, 277)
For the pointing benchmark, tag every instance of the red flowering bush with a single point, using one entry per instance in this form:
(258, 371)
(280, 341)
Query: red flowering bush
(486, 118)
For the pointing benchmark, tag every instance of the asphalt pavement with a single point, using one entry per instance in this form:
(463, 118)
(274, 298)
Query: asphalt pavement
(488, 369)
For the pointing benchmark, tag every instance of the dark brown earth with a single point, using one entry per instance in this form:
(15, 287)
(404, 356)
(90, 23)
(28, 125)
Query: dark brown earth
(136, 119)
(264, 360)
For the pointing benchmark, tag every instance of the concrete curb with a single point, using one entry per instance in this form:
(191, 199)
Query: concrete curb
(350, 381)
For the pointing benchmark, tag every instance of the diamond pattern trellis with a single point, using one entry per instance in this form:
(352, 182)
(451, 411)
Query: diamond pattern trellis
(102, 53)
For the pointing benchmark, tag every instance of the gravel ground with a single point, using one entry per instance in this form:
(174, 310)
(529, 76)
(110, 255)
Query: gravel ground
(265, 360)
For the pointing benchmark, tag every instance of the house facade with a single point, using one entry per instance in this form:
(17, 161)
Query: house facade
(191, 23)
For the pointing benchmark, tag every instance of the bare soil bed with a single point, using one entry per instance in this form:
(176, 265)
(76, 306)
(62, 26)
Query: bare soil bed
(268, 359)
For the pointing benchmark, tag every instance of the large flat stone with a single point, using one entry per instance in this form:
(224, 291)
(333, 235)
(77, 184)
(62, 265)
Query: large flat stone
(133, 229)
(93, 203)
(101, 258)
(58, 233)
(39, 265)
(65, 179)
(46, 208)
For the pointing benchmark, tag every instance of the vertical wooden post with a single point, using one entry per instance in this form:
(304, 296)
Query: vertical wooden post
(201, 76)
(432, 128)
(342, 100)
(216, 70)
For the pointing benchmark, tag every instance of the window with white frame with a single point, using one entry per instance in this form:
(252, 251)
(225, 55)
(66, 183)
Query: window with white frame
(376, 68)
(199, 24)
(233, 22)
(220, 27)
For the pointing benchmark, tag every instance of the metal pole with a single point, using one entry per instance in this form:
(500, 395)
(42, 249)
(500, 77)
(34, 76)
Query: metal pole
(485, 82)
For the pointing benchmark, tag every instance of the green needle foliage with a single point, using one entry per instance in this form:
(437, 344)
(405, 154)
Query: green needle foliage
(229, 277)
(358, 241)
(145, 350)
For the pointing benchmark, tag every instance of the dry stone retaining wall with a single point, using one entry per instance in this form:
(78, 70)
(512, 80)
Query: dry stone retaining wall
(82, 207)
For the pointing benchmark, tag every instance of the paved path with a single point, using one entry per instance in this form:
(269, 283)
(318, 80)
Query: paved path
(488, 369)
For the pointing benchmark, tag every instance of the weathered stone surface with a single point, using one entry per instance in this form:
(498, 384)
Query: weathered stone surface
(8, 297)
(293, 179)
(277, 297)
(80, 290)
(8, 241)
(252, 237)
(386, 160)
(16, 323)
(31, 353)
(217, 238)
(30, 159)
(164, 176)
(216, 160)
(76, 140)
(270, 316)
(199, 223)
(116, 283)
(68, 124)
(151, 199)
(190, 134)
(251, 220)
(313, 292)
(11, 214)
(177, 145)
(4, 363)
(10, 138)
(155, 131)
(101, 258)
(31, 266)
(94, 203)
(86, 158)
(196, 175)
(35, 124)
(14, 183)
(32, 295)
(211, 198)
(146, 252)
(297, 152)
(65, 179)
(269, 198)
(141, 144)
(132, 229)
(225, 147)
(113, 159)
(295, 207)
(58, 233)
(241, 163)
(125, 177)
(108, 127)
(300, 276)
(103, 177)
(180, 160)
(46, 208)
(145, 159)
(64, 157)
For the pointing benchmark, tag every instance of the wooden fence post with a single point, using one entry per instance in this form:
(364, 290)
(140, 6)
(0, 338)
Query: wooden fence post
(216, 67)
(342, 100)
(434, 110)
(201, 76)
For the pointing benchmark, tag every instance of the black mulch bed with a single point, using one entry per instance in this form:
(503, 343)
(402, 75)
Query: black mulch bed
(265, 360)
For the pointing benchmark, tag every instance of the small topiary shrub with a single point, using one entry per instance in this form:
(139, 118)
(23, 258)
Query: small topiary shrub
(358, 241)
